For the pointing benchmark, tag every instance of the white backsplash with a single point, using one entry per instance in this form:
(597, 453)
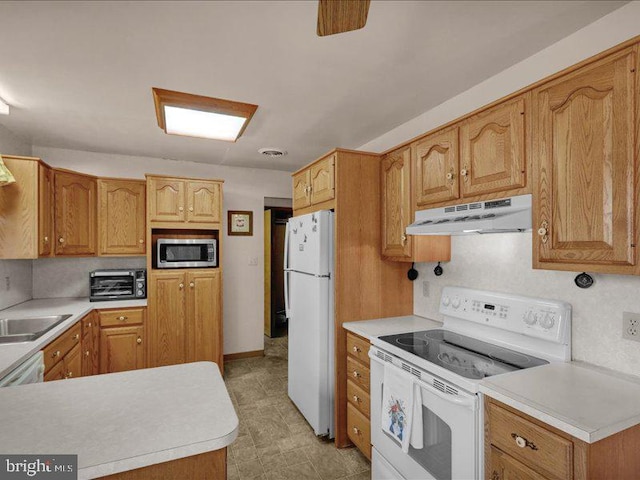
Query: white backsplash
(69, 277)
(502, 262)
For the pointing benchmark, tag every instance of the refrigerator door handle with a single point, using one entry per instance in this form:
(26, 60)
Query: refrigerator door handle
(287, 308)
(286, 252)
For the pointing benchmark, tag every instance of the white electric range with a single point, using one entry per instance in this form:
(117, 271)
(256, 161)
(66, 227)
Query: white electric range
(483, 334)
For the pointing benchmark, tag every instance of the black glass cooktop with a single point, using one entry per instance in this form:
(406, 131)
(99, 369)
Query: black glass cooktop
(460, 354)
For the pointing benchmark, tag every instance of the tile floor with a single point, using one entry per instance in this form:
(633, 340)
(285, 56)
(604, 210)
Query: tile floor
(275, 442)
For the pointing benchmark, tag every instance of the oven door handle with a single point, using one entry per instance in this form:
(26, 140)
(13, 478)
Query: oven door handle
(470, 402)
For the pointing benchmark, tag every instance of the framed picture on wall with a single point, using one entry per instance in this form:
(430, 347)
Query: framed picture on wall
(240, 222)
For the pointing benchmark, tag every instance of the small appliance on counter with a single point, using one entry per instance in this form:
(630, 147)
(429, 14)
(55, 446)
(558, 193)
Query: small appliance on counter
(186, 253)
(118, 284)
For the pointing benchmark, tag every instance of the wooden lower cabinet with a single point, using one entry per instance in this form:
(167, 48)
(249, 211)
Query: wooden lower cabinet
(520, 447)
(358, 402)
(122, 340)
(185, 317)
(90, 346)
(62, 358)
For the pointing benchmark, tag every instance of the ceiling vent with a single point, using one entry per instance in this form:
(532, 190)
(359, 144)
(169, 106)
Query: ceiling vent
(272, 152)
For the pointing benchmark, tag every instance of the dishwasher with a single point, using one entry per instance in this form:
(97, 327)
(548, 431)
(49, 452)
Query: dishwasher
(30, 371)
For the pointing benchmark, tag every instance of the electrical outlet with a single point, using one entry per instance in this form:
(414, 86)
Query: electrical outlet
(7, 283)
(253, 261)
(425, 288)
(631, 326)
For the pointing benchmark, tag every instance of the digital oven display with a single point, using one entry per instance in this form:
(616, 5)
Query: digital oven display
(489, 307)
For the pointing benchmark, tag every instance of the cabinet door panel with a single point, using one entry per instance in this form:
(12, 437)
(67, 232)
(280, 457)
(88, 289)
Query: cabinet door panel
(122, 217)
(121, 349)
(73, 363)
(504, 467)
(301, 184)
(166, 200)
(167, 319)
(584, 147)
(45, 210)
(203, 202)
(436, 168)
(205, 319)
(396, 204)
(492, 150)
(75, 214)
(322, 180)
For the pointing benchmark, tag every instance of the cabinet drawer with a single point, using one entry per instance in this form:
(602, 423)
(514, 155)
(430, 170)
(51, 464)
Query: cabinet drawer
(88, 324)
(57, 349)
(359, 398)
(119, 318)
(533, 445)
(55, 373)
(358, 373)
(359, 430)
(358, 347)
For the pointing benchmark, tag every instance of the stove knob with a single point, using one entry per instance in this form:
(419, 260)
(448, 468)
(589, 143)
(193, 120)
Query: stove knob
(530, 318)
(455, 303)
(548, 321)
(445, 301)
(139, 284)
(140, 293)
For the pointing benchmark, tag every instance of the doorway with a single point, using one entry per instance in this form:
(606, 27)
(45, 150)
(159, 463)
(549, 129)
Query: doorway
(275, 227)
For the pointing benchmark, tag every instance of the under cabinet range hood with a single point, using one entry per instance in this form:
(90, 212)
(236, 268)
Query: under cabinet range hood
(512, 214)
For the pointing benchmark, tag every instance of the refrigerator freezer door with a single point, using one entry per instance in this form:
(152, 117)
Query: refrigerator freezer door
(310, 352)
(309, 245)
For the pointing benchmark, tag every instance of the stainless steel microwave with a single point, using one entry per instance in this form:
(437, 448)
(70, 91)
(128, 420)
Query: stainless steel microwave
(186, 253)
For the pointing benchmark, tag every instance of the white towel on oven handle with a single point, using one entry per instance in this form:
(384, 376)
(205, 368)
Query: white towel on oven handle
(402, 408)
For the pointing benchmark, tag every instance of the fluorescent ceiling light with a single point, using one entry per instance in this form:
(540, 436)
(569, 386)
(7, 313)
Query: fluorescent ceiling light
(4, 107)
(197, 116)
(194, 123)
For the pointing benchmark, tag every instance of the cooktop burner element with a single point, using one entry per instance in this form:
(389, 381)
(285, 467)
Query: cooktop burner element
(460, 354)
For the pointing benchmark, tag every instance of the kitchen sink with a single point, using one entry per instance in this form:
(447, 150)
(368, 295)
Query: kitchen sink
(15, 330)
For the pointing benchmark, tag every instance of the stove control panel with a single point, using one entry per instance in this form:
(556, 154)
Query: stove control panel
(535, 317)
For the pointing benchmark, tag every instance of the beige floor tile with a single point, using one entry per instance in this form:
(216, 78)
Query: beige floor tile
(303, 471)
(273, 462)
(295, 456)
(360, 476)
(232, 472)
(355, 461)
(329, 464)
(246, 454)
(250, 470)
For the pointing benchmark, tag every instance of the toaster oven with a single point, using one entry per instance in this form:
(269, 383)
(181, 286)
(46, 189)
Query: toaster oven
(118, 284)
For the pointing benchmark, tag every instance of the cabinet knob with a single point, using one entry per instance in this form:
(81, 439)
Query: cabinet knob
(61, 240)
(192, 284)
(403, 239)
(356, 399)
(181, 286)
(87, 353)
(55, 354)
(141, 241)
(464, 173)
(356, 430)
(122, 318)
(76, 336)
(543, 231)
(191, 209)
(355, 374)
(450, 176)
(69, 375)
(46, 239)
(523, 442)
(356, 349)
(181, 209)
(139, 341)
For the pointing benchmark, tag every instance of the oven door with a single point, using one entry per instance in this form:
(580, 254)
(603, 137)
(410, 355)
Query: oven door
(110, 285)
(450, 430)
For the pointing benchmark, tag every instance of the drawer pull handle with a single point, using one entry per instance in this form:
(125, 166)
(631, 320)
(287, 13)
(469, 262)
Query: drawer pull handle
(356, 374)
(89, 325)
(356, 349)
(139, 341)
(61, 240)
(69, 375)
(523, 442)
(356, 430)
(356, 399)
(122, 318)
(141, 241)
(55, 354)
(76, 336)
(87, 353)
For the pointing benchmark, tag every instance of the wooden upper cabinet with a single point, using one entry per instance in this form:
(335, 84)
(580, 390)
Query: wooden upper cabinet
(204, 202)
(301, 189)
(45, 210)
(396, 203)
(75, 213)
(205, 317)
(492, 150)
(166, 199)
(122, 217)
(322, 180)
(585, 167)
(436, 168)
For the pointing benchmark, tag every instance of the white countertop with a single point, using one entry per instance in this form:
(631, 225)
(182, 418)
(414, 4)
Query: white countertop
(13, 354)
(389, 326)
(587, 402)
(121, 421)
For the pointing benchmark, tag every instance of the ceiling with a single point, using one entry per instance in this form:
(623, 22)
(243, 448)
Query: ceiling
(79, 74)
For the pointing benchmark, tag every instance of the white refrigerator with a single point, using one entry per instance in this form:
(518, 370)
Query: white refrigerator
(308, 266)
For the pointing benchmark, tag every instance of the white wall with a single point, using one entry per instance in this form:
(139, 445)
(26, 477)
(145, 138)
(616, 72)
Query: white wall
(18, 272)
(503, 262)
(244, 189)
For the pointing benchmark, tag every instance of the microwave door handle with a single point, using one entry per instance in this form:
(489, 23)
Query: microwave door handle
(463, 401)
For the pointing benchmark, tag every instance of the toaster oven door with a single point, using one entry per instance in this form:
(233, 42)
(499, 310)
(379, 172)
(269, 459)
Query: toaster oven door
(110, 285)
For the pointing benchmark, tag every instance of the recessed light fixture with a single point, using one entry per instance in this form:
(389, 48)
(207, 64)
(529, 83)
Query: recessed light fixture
(204, 117)
(4, 107)
(272, 152)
